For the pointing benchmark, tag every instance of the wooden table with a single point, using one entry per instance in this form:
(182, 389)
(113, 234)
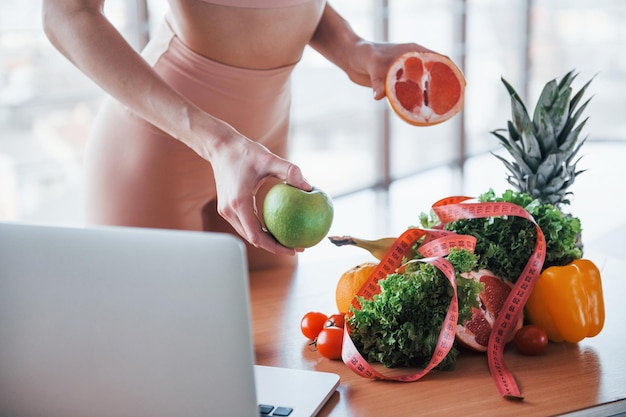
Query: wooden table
(568, 378)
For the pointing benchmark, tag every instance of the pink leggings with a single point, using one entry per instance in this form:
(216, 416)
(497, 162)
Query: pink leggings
(137, 175)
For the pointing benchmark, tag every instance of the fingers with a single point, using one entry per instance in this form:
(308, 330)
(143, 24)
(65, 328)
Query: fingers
(380, 62)
(246, 223)
(378, 76)
(239, 179)
(294, 177)
(379, 89)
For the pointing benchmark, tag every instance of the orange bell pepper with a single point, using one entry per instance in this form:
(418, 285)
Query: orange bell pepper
(567, 302)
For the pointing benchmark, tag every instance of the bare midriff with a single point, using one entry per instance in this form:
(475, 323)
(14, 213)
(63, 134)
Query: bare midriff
(263, 38)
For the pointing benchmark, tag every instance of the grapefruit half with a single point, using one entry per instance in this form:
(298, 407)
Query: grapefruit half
(425, 88)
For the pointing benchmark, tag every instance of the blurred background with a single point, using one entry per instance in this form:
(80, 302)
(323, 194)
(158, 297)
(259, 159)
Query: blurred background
(345, 142)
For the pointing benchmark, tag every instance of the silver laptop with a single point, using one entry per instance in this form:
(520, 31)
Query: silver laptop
(105, 322)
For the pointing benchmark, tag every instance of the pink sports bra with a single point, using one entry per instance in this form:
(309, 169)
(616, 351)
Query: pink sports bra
(257, 4)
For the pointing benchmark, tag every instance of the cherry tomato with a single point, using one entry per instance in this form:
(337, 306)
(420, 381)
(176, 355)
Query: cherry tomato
(329, 342)
(336, 320)
(312, 324)
(531, 340)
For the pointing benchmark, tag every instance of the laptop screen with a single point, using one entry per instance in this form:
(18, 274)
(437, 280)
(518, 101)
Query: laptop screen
(123, 322)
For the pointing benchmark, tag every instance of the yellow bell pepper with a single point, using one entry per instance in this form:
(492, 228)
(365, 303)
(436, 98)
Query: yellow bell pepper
(567, 302)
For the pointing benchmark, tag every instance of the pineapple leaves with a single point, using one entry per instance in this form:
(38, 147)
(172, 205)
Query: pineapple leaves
(543, 150)
(522, 128)
(544, 127)
(551, 114)
(511, 145)
(516, 173)
(578, 96)
(567, 129)
(569, 159)
(513, 93)
(572, 139)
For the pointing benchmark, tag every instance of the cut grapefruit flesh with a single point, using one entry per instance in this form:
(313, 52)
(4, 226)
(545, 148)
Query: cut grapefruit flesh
(474, 333)
(425, 88)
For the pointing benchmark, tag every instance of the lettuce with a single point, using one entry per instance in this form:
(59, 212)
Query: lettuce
(504, 244)
(400, 325)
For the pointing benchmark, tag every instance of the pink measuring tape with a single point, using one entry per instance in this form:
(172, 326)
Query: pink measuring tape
(437, 244)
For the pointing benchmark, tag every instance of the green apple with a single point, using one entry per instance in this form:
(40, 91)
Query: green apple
(297, 218)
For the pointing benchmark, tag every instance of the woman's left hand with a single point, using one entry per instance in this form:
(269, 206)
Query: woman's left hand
(366, 63)
(370, 63)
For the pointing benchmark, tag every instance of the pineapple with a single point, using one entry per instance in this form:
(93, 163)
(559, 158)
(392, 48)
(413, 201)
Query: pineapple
(544, 148)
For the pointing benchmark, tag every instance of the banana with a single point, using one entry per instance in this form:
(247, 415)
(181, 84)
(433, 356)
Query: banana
(378, 247)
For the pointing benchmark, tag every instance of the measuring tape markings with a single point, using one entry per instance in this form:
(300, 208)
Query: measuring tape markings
(435, 245)
(390, 264)
(454, 209)
(359, 365)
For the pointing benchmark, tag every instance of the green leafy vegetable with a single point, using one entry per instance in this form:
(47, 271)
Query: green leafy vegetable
(400, 325)
(504, 244)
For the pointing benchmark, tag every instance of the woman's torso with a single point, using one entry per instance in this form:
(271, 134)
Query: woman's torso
(260, 38)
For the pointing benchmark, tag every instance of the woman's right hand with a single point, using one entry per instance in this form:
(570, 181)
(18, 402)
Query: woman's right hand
(241, 166)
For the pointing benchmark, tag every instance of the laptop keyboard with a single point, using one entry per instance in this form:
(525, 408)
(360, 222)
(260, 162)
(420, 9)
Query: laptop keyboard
(266, 410)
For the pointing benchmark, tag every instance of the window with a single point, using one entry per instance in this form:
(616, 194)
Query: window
(340, 135)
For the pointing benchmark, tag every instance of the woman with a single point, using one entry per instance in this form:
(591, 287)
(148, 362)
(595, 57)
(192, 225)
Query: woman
(196, 126)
